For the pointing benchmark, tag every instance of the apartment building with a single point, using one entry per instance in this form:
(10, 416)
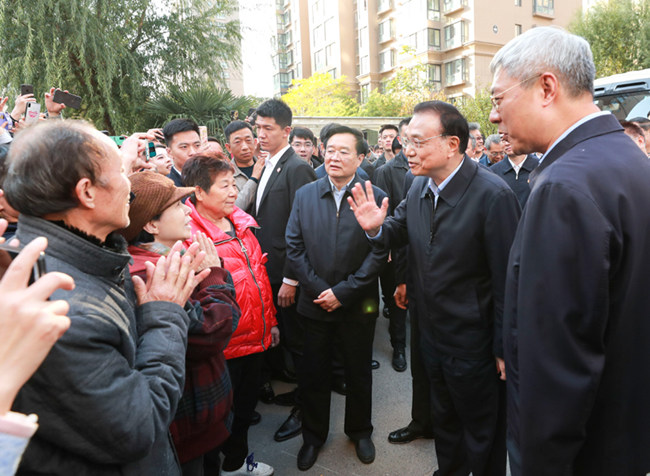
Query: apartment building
(368, 40)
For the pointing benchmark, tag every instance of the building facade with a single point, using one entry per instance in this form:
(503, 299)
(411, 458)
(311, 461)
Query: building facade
(368, 40)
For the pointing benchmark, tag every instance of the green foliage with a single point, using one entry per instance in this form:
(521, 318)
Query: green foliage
(477, 109)
(381, 105)
(206, 105)
(113, 53)
(619, 34)
(321, 95)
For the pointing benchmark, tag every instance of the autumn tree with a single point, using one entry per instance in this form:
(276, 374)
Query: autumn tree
(114, 53)
(619, 35)
(321, 95)
(477, 109)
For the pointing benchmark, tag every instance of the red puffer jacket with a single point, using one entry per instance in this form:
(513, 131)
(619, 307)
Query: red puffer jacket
(243, 257)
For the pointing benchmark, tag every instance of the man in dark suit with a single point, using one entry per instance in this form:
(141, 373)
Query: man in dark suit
(337, 269)
(459, 220)
(183, 142)
(576, 326)
(284, 173)
(515, 169)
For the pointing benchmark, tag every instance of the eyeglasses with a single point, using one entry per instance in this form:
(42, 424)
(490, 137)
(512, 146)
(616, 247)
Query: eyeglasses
(419, 143)
(496, 100)
(497, 154)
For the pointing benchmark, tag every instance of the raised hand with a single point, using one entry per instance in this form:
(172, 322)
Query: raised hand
(366, 211)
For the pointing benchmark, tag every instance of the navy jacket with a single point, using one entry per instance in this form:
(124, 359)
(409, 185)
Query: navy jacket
(518, 184)
(577, 317)
(328, 249)
(458, 258)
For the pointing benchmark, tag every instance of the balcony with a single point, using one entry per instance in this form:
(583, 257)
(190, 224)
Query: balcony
(456, 34)
(386, 31)
(384, 6)
(543, 8)
(451, 6)
(456, 72)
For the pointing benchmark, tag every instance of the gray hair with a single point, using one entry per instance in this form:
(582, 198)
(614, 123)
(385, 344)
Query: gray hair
(474, 126)
(472, 140)
(493, 139)
(549, 49)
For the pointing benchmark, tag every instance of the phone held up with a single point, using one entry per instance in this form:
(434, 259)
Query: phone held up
(70, 100)
(32, 111)
(39, 268)
(26, 89)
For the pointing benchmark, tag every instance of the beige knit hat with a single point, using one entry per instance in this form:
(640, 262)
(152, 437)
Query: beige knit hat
(154, 193)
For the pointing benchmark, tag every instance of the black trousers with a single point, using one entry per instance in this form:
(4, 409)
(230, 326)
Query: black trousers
(356, 334)
(397, 316)
(421, 398)
(245, 376)
(468, 412)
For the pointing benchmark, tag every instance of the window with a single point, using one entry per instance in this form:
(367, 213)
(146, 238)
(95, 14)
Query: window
(332, 73)
(317, 10)
(518, 29)
(363, 35)
(329, 54)
(543, 7)
(282, 80)
(386, 60)
(433, 35)
(330, 30)
(319, 35)
(364, 66)
(285, 59)
(284, 39)
(383, 5)
(452, 5)
(434, 75)
(386, 30)
(455, 72)
(412, 41)
(433, 10)
(319, 60)
(455, 34)
(364, 93)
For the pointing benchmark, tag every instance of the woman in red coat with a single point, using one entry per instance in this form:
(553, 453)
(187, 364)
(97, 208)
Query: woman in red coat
(214, 213)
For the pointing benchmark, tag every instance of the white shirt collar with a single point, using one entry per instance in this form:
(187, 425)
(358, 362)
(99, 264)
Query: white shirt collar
(571, 129)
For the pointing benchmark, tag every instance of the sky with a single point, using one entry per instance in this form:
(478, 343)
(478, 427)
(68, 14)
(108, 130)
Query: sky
(258, 22)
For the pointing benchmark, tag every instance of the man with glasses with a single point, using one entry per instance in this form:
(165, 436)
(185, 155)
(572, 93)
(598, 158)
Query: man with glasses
(459, 221)
(576, 327)
(304, 145)
(494, 151)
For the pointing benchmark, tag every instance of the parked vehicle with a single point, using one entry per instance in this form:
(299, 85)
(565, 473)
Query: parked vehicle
(626, 95)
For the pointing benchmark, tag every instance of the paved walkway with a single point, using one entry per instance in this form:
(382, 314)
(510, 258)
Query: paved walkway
(391, 410)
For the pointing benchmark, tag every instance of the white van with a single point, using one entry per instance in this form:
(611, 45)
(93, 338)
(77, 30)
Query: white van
(626, 95)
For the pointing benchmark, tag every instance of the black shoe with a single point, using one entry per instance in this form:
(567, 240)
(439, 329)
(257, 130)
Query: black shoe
(338, 385)
(266, 393)
(256, 418)
(291, 427)
(406, 435)
(374, 365)
(286, 399)
(399, 360)
(365, 450)
(307, 456)
(285, 376)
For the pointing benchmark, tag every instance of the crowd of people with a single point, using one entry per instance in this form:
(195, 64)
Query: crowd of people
(162, 286)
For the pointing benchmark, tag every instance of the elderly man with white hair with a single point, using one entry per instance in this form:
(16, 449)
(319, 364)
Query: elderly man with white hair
(576, 327)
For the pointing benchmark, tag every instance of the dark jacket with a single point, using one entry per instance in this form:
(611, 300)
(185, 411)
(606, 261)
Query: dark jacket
(458, 257)
(328, 249)
(204, 415)
(518, 183)
(390, 178)
(367, 167)
(577, 326)
(107, 391)
(176, 177)
(291, 173)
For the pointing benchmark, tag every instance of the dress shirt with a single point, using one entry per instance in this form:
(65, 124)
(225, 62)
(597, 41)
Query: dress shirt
(516, 167)
(436, 189)
(338, 194)
(268, 170)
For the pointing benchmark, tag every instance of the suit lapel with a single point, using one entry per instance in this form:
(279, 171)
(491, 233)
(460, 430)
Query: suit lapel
(279, 167)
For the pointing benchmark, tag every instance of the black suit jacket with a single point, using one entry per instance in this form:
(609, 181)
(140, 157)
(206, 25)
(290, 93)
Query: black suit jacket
(176, 177)
(577, 318)
(328, 249)
(289, 175)
(458, 258)
(518, 183)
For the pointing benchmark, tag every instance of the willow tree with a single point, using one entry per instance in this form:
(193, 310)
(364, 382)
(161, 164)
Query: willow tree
(115, 53)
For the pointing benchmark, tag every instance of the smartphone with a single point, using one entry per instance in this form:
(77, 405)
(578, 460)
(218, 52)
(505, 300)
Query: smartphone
(151, 148)
(26, 89)
(68, 99)
(4, 118)
(32, 111)
(39, 268)
(203, 134)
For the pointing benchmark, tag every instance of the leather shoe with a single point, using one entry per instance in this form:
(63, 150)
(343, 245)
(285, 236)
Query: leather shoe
(365, 450)
(256, 418)
(339, 386)
(307, 456)
(291, 427)
(266, 393)
(374, 365)
(399, 360)
(286, 399)
(406, 435)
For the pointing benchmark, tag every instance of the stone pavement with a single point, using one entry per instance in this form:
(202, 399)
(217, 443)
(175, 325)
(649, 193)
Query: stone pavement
(391, 410)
